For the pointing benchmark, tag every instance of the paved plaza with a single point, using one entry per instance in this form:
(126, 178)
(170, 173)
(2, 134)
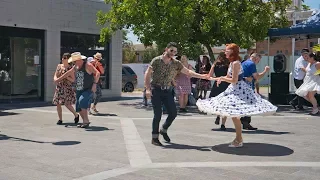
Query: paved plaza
(117, 146)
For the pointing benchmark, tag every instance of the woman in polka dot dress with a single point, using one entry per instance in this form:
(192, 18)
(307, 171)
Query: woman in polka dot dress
(238, 99)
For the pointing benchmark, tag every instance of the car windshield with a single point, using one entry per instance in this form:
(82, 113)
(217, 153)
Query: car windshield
(130, 70)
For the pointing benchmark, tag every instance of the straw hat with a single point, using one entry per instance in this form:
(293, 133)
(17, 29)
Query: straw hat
(98, 56)
(76, 56)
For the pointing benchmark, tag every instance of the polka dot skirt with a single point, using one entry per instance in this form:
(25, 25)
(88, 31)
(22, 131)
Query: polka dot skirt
(237, 100)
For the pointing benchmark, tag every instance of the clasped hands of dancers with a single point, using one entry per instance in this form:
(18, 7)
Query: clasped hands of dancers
(238, 100)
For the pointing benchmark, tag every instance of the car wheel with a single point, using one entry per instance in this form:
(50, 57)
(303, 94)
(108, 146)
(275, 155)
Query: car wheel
(128, 87)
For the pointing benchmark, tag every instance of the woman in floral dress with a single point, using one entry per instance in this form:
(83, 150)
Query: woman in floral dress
(238, 100)
(183, 86)
(64, 93)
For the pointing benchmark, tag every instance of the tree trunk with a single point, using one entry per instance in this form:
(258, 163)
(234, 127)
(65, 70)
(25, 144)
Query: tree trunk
(207, 45)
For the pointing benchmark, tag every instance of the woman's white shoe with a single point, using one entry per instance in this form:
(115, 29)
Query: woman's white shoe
(236, 144)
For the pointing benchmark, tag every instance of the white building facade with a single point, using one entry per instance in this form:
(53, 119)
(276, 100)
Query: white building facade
(35, 33)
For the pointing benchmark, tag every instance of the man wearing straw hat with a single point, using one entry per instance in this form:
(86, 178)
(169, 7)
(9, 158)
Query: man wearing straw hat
(86, 84)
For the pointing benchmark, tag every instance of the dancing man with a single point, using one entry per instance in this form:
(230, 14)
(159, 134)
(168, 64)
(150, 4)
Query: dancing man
(251, 77)
(298, 75)
(162, 70)
(86, 84)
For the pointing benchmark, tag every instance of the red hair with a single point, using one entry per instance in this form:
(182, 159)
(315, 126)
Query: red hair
(234, 56)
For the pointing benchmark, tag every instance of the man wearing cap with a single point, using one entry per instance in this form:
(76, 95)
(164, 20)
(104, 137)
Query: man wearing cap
(298, 76)
(86, 84)
(97, 95)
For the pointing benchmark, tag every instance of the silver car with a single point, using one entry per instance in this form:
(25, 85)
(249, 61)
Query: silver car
(129, 79)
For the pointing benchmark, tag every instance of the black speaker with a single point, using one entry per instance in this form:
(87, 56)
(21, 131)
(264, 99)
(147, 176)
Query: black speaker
(280, 83)
(279, 63)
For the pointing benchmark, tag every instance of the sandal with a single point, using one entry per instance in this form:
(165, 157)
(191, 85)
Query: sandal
(76, 119)
(95, 110)
(83, 125)
(236, 144)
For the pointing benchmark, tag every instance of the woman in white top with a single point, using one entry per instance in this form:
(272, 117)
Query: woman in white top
(311, 82)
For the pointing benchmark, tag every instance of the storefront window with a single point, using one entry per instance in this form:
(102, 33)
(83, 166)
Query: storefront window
(21, 59)
(88, 45)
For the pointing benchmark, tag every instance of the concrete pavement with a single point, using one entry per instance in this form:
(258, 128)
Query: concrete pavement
(118, 146)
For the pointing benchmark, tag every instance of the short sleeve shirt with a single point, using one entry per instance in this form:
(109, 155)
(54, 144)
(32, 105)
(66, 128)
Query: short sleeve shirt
(249, 68)
(163, 74)
(98, 66)
(298, 73)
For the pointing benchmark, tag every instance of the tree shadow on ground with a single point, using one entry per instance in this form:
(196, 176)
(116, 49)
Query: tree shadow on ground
(90, 128)
(249, 149)
(58, 143)
(2, 113)
(103, 114)
(259, 131)
(254, 149)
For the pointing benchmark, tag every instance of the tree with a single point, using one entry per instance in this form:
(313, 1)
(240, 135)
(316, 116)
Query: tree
(149, 54)
(126, 43)
(192, 51)
(128, 55)
(304, 6)
(189, 22)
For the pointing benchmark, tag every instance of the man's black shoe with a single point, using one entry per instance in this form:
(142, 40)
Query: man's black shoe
(249, 127)
(165, 136)
(217, 122)
(155, 141)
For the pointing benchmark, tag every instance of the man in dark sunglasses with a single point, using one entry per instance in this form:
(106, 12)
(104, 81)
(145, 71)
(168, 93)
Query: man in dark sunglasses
(162, 70)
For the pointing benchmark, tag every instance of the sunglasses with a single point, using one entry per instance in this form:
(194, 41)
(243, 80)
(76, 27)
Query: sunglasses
(173, 51)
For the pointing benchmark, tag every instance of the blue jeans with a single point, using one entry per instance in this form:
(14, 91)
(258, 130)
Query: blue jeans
(97, 95)
(83, 99)
(158, 99)
(173, 94)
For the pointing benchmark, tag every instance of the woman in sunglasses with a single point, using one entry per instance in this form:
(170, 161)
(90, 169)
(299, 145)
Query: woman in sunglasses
(64, 93)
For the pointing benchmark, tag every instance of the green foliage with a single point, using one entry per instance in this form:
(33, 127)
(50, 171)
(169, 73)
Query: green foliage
(192, 51)
(305, 7)
(149, 54)
(128, 55)
(316, 48)
(189, 22)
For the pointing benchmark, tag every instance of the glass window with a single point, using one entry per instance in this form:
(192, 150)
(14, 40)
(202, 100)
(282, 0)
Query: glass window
(77, 41)
(130, 70)
(21, 64)
(88, 45)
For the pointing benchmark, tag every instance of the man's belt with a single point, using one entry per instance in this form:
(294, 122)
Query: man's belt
(161, 87)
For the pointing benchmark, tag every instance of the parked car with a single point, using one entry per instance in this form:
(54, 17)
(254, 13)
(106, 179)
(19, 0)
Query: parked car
(129, 79)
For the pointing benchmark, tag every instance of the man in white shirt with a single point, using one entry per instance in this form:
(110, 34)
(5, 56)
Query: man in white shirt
(298, 76)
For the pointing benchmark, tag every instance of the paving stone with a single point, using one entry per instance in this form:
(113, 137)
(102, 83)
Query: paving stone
(34, 147)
